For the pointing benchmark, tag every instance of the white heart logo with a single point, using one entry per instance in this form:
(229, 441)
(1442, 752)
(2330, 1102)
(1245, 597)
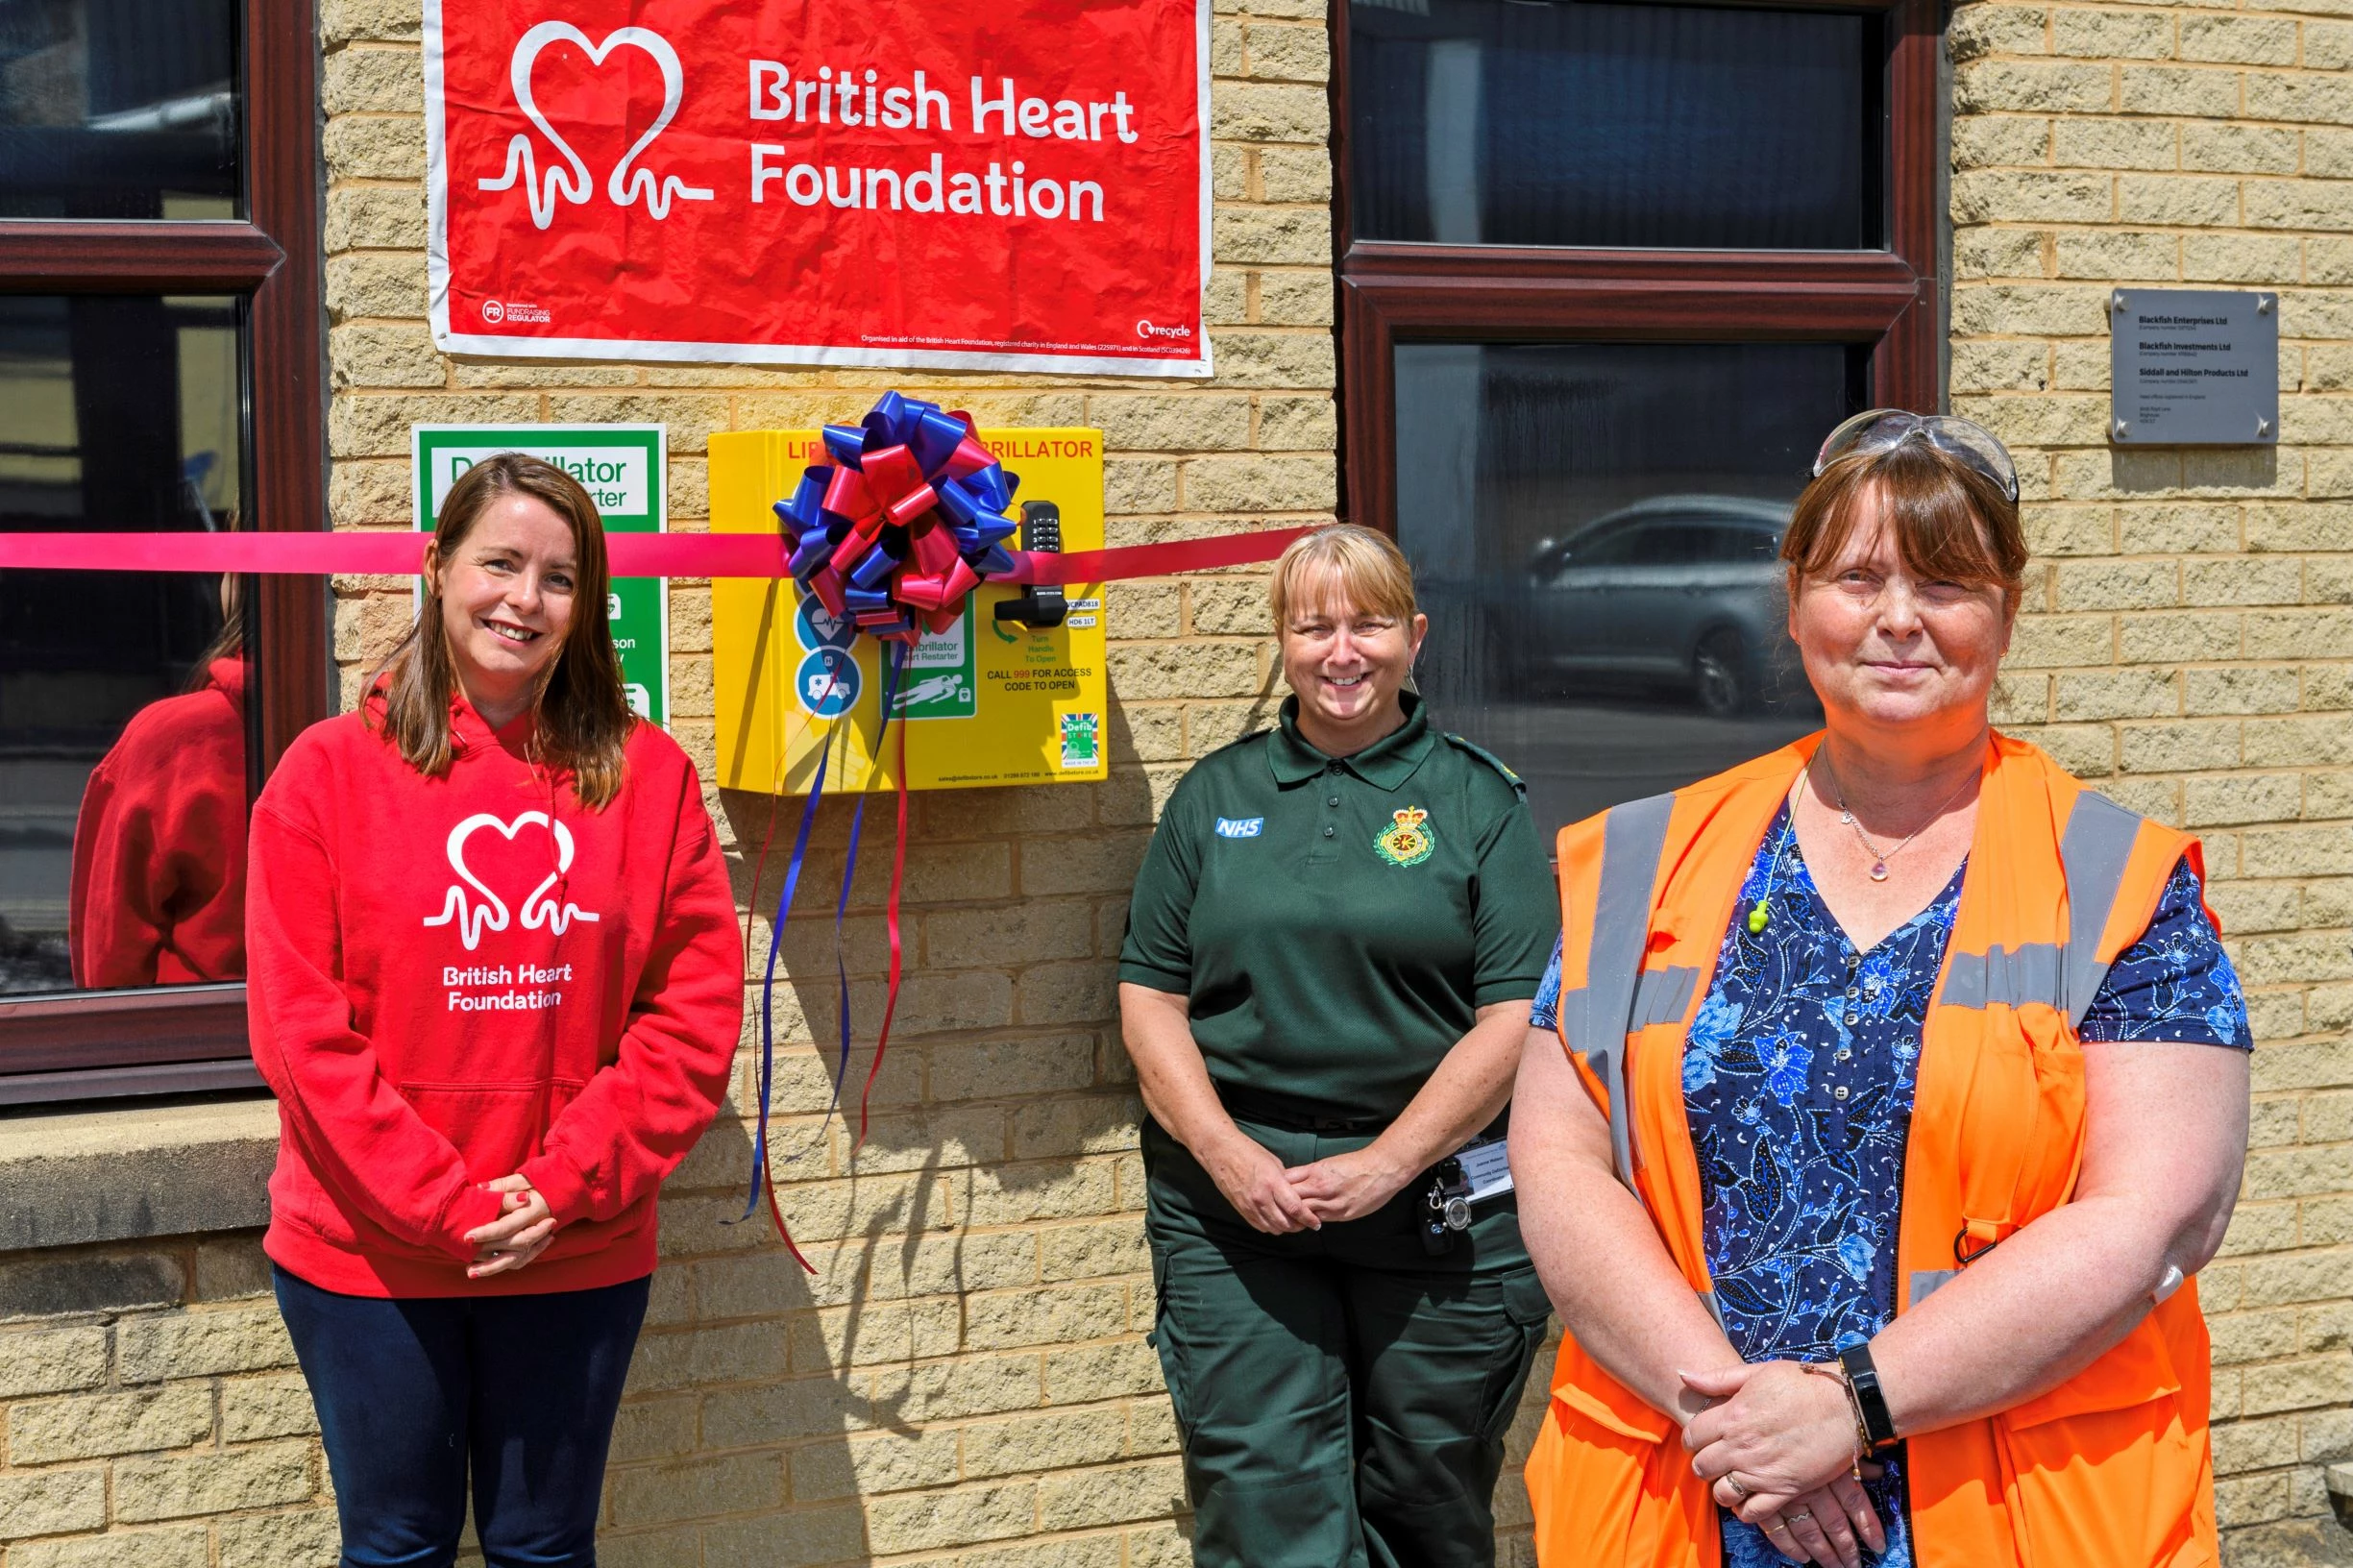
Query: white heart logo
(491, 913)
(625, 185)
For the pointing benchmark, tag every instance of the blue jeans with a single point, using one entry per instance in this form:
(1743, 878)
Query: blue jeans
(412, 1393)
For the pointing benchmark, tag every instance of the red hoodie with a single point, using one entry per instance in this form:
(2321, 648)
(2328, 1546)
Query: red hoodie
(455, 979)
(159, 872)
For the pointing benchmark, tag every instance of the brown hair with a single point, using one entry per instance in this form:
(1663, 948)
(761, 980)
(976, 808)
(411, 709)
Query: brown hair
(228, 642)
(1947, 519)
(1366, 566)
(582, 717)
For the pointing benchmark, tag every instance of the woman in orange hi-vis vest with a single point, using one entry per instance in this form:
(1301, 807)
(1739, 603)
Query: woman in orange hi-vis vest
(1891, 1122)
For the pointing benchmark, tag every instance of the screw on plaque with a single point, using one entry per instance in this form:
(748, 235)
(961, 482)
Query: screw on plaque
(2263, 427)
(2123, 427)
(2263, 303)
(2115, 301)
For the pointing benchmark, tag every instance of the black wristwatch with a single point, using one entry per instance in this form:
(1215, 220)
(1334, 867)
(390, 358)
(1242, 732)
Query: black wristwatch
(1863, 1378)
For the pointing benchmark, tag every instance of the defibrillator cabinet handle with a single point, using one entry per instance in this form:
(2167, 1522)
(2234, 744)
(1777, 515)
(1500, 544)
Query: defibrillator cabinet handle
(1038, 606)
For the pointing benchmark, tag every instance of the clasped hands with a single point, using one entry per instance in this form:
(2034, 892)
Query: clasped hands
(1278, 1200)
(1778, 1445)
(521, 1233)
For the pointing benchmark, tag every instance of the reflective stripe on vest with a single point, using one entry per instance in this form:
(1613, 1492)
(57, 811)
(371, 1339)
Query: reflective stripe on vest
(1595, 1018)
(1662, 995)
(1926, 1281)
(2094, 851)
(1621, 999)
(2111, 1467)
(2092, 854)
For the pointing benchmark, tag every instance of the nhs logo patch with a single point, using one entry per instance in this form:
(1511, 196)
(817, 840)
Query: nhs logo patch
(1240, 827)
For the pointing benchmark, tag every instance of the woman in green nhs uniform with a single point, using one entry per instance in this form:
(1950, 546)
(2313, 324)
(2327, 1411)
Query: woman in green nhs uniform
(1325, 984)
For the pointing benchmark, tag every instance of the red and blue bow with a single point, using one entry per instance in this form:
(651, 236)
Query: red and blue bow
(906, 521)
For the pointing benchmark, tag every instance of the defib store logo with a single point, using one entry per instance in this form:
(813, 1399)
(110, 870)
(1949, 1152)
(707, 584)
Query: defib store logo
(570, 178)
(485, 910)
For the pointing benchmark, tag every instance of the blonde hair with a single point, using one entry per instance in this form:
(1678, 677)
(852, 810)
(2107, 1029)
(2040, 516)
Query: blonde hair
(1364, 568)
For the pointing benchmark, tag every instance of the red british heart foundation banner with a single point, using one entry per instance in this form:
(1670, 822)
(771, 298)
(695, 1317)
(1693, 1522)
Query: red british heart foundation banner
(1022, 185)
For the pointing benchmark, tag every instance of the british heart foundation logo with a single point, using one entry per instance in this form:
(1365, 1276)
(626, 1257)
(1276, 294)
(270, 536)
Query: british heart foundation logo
(473, 909)
(568, 178)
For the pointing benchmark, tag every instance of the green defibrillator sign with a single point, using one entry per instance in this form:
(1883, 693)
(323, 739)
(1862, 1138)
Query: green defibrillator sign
(624, 470)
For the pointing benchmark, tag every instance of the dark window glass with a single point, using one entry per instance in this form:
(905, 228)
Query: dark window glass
(1601, 546)
(123, 735)
(1676, 543)
(1594, 529)
(118, 108)
(1506, 122)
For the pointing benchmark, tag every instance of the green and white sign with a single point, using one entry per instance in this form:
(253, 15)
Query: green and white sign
(623, 469)
(938, 681)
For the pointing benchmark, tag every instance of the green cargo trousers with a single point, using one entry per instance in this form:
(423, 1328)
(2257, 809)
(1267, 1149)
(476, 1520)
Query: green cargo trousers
(1341, 1394)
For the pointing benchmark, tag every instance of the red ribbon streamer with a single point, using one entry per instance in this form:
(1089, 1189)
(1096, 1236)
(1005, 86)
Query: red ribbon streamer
(633, 555)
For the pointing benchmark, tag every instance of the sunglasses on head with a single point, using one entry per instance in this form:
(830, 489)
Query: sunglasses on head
(1883, 430)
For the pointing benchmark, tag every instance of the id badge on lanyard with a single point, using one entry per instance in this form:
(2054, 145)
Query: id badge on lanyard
(1476, 1172)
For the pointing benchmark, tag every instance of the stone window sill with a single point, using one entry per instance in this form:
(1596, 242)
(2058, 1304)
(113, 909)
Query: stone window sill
(69, 1178)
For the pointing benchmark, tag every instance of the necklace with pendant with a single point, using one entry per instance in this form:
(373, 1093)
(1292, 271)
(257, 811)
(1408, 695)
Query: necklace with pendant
(1880, 857)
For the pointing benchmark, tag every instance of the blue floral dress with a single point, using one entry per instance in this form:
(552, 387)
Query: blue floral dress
(1798, 1081)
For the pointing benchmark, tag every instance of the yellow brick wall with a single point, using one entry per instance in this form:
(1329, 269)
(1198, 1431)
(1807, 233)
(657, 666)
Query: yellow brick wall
(2187, 640)
(964, 1379)
(175, 1436)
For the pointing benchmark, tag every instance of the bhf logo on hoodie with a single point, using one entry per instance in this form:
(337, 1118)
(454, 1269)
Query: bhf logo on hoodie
(484, 910)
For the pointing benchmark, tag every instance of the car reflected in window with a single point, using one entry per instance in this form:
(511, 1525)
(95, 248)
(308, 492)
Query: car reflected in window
(1594, 530)
(1685, 591)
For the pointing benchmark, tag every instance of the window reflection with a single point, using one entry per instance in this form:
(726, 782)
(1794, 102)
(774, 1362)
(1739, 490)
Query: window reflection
(118, 108)
(123, 722)
(1595, 529)
(1507, 122)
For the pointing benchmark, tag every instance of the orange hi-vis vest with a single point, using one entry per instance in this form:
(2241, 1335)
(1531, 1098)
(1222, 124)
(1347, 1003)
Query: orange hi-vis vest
(2109, 1469)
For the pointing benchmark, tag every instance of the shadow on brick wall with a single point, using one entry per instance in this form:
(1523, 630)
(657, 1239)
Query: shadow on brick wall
(963, 1369)
(2297, 1543)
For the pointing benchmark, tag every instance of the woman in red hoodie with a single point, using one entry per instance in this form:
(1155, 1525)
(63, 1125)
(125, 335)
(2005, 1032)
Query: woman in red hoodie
(496, 982)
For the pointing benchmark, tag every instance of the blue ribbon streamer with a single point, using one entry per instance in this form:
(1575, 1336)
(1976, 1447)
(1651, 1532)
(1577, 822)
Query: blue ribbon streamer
(897, 662)
(767, 982)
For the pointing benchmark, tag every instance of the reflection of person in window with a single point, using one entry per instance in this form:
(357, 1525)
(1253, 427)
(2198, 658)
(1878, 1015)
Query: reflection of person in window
(159, 869)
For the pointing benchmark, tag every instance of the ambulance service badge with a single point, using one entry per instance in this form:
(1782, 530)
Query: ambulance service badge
(1407, 839)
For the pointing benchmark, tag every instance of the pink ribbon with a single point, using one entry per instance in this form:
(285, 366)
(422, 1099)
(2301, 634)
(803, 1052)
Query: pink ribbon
(633, 555)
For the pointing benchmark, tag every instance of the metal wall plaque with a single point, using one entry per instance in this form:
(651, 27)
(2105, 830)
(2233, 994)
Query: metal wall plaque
(2192, 367)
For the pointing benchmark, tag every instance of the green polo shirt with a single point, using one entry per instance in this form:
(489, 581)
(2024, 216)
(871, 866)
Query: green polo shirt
(1335, 922)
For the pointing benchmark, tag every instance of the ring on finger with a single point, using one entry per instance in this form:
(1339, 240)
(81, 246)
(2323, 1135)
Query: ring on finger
(1738, 1490)
(1799, 1513)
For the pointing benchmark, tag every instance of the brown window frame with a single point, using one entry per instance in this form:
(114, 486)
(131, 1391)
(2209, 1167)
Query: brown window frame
(1394, 291)
(179, 1040)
